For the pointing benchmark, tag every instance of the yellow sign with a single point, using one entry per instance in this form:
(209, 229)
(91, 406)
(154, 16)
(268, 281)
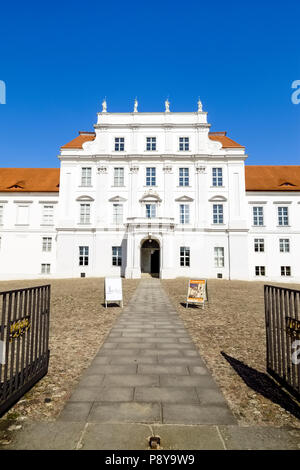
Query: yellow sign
(197, 292)
(18, 328)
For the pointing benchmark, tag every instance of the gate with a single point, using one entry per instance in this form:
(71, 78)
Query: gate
(283, 336)
(24, 337)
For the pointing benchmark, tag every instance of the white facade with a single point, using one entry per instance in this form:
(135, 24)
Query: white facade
(112, 208)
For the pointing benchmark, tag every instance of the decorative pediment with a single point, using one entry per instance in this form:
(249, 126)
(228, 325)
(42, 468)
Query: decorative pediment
(217, 199)
(150, 196)
(85, 198)
(117, 199)
(184, 199)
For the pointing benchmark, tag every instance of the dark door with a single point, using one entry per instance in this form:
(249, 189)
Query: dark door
(155, 262)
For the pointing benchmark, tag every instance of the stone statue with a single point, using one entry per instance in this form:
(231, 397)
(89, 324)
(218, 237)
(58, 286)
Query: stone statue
(135, 109)
(167, 105)
(104, 106)
(199, 106)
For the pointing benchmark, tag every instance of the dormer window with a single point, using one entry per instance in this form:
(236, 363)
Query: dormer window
(287, 184)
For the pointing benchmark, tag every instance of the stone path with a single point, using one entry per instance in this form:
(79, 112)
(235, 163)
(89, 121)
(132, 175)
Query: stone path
(148, 371)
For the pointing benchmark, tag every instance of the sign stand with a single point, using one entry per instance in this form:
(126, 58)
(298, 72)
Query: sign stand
(197, 292)
(113, 290)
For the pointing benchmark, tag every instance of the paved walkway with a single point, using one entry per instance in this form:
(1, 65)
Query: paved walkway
(146, 380)
(148, 371)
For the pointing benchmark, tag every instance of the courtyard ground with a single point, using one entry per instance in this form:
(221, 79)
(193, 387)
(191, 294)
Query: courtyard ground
(233, 322)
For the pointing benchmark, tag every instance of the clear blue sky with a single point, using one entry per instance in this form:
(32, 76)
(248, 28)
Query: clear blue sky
(59, 59)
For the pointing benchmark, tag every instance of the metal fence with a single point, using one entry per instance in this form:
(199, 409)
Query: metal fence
(24, 338)
(283, 336)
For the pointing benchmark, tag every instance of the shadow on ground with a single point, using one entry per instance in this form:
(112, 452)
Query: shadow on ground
(263, 384)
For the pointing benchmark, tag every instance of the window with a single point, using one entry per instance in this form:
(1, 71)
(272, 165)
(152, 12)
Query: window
(184, 214)
(48, 215)
(85, 212)
(45, 268)
(260, 271)
(1, 214)
(284, 245)
(184, 144)
(219, 257)
(117, 214)
(184, 179)
(150, 143)
(86, 176)
(47, 244)
(283, 216)
(118, 176)
(285, 270)
(258, 216)
(184, 256)
(217, 177)
(150, 211)
(218, 217)
(117, 256)
(83, 256)
(23, 215)
(259, 245)
(150, 176)
(119, 144)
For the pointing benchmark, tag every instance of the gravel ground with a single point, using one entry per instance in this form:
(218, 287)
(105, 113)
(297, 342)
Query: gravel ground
(79, 324)
(233, 322)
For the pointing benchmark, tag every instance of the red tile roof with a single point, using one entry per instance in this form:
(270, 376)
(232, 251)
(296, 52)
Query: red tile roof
(29, 179)
(272, 178)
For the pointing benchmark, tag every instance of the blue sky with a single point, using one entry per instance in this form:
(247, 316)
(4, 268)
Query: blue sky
(59, 59)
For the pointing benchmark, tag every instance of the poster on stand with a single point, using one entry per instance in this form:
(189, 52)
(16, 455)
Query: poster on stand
(197, 292)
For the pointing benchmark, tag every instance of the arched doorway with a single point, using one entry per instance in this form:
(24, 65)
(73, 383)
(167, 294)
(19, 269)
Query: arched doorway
(150, 257)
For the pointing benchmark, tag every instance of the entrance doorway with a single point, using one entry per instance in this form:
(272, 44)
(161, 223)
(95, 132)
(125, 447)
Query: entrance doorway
(150, 258)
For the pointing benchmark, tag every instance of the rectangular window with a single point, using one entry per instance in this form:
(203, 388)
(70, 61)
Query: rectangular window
(218, 217)
(45, 268)
(117, 256)
(48, 215)
(150, 211)
(117, 214)
(184, 144)
(118, 176)
(85, 213)
(259, 245)
(1, 214)
(83, 256)
(150, 143)
(283, 216)
(184, 256)
(23, 215)
(184, 214)
(119, 144)
(258, 216)
(150, 176)
(184, 178)
(219, 257)
(217, 177)
(260, 271)
(86, 176)
(284, 245)
(285, 270)
(47, 244)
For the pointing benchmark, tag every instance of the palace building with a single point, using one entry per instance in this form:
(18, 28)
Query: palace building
(155, 193)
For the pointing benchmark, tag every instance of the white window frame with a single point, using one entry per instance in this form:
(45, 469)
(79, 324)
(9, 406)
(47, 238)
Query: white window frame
(217, 177)
(150, 209)
(150, 144)
(85, 213)
(119, 176)
(86, 176)
(1, 214)
(260, 270)
(285, 271)
(184, 214)
(151, 176)
(284, 245)
(184, 144)
(184, 256)
(283, 216)
(259, 245)
(117, 214)
(83, 255)
(184, 176)
(219, 258)
(47, 244)
(218, 214)
(45, 268)
(258, 216)
(48, 214)
(116, 255)
(119, 144)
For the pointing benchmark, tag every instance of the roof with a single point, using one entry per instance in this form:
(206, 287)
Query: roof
(272, 178)
(29, 179)
(88, 136)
